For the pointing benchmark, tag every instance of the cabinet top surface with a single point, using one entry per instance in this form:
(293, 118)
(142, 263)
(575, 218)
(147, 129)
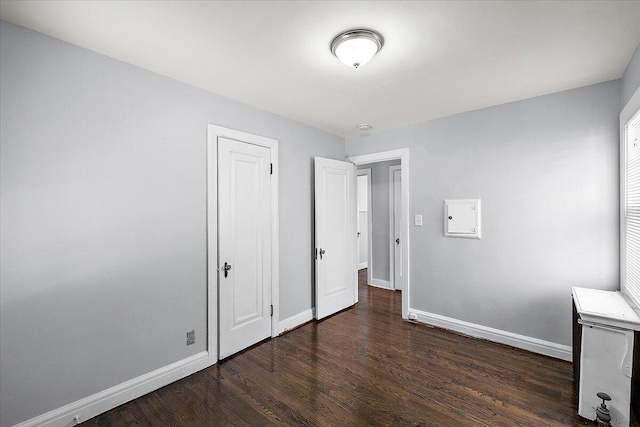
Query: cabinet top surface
(605, 307)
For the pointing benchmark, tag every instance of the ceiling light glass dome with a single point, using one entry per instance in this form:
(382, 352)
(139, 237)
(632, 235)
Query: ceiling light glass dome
(354, 48)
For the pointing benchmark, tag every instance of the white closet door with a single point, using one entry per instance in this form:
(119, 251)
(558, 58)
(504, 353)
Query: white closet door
(244, 214)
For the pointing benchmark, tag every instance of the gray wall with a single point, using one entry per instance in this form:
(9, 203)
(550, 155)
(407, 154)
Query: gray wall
(103, 219)
(380, 217)
(631, 78)
(546, 170)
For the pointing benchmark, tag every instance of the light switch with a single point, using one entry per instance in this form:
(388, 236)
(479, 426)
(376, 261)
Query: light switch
(417, 220)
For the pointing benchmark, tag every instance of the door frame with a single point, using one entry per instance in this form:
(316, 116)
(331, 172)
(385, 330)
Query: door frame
(367, 172)
(403, 155)
(392, 246)
(213, 133)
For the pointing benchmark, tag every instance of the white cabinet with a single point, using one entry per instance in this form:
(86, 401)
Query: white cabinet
(604, 353)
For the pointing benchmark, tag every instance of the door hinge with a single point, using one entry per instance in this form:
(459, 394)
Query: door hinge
(316, 253)
(271, 168)
(271, 310)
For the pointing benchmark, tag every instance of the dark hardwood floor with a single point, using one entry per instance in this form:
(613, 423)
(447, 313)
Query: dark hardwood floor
(365, 366)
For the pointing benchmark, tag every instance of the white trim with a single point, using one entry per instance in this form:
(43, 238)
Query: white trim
(382, 156)
(367, 172)
(213, 133)
(632, 106)
(403, 155)
(626, 115)
(110, 398)
(363, 265)
(379, 283)
(535, 345)
(296, 320)
(392, 247)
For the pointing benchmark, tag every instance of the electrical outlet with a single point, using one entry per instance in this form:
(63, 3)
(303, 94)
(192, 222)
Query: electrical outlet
(191, 337)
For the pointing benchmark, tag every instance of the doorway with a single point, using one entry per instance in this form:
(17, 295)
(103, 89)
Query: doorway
(242, 222)
(381, 247)
(393, 231)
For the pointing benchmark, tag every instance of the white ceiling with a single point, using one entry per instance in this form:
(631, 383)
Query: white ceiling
(439, 58)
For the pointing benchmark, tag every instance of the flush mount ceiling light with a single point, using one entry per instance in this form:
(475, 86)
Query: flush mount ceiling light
(356, 47)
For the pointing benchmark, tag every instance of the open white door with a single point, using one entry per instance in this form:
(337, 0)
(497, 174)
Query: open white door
(336, 236)
(395, 200)
(244, 212)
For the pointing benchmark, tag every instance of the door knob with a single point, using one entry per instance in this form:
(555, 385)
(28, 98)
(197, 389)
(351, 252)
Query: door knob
(226, 269)
(398, 240)
(322, 252)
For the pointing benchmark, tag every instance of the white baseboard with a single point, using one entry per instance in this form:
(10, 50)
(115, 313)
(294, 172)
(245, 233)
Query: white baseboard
(378, 283)
(363, 265)
(535, 345)
(296, 320)
(108, 399)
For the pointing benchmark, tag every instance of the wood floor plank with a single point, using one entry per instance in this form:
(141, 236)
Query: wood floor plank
(365, 366)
